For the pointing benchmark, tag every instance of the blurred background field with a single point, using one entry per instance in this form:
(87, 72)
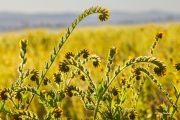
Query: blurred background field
(131, 41)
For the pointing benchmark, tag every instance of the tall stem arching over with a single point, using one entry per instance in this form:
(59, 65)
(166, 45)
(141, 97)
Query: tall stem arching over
(104, 15)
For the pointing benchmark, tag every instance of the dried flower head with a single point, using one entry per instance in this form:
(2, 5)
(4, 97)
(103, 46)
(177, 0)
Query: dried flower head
(85, 53)
(68, 91)
(63, 67)
(90, 89)
(69, 55)
(57, 77)
(46, 81)
(137, 73)
(18, 95)
(23, 106)
(3, 94)
(16, 117)
(57, 112)
(105, 97)
(115, 91)
(123, 81)
(129, 85)
(104, 15)
(96, 63)
(177, 66)
(35, 76)
(160, 71)
(82, 77)
(159, 35)
(138, 77)
(132, 115)
(78, 72)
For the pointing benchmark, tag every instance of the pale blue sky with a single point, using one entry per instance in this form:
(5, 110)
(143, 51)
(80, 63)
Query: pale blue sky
(57, 6)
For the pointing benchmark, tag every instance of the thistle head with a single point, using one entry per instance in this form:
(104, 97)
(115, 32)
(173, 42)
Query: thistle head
(104, 15)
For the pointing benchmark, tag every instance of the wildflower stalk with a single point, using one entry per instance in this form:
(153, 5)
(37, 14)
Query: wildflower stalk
(130, 62)
(2, 106)
(175, 106)
(157, 83)
(104, 15)
(97, 106)
(159, 35)
(23, 45)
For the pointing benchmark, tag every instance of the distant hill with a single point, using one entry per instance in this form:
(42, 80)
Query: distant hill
(17, 21)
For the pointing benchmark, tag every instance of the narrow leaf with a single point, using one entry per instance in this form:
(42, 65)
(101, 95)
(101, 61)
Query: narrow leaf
(176, 90)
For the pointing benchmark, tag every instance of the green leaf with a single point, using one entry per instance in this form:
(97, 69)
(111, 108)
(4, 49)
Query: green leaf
(24, 60)
(54, 51)
(7, 109)
(123, 98)
(28, 72)
(51, 103)
(99, 89)
(40, 100)
(176, 90)
(21, 55)
(1, 106)
(19, 69)
(47, 66)
(24, 96)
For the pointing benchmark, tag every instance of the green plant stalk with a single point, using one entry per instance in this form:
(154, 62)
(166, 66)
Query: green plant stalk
(61, 43)
(138, 60)
(97, 105)
(154, 46)
(157, 84)
(140, 89)
(175, 107)
(2, 106)
(100, 97)
(13, 102)
(85, 74)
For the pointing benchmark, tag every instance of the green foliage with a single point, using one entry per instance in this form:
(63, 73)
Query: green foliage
(77, 76)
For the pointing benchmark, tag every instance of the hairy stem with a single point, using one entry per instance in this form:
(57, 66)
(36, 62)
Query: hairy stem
(104, 16)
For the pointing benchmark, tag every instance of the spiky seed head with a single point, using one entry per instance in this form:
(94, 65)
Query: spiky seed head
(104, 15)
(57, 112)
(160, 71)
(85, 53)
(57, 78)
(63, 67)
(177, 66)
(115, 91)
(35, 76)
(46, 81)
(132, 115)
(82, 77)
(96, 63)
(18, 95)
(159, 35)
(3, 94)
(69, 55)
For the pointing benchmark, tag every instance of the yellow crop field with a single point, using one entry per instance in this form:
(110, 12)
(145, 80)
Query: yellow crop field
(130, 41)
(99, 73)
